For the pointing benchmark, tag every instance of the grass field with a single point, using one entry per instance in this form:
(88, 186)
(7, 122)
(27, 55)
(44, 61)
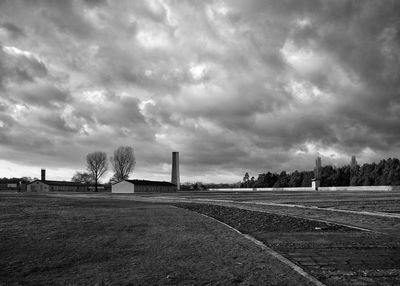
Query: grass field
(351, 200)
(367, 256)
(68, 241)
(314, 204)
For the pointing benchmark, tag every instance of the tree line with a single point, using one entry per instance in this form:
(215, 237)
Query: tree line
(122, 163)
(386, 172)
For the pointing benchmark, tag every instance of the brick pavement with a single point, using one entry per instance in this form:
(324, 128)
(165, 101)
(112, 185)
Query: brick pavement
(346, 258)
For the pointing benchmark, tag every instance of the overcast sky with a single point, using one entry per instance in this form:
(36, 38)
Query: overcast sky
(234, 86)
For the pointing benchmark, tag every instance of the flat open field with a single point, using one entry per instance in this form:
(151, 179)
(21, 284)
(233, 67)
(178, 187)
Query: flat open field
(341, 238)
(86, 241)
(361, 209)
(357, 200)
(352, 257)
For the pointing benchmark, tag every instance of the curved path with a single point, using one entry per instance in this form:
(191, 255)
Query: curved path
(273, 253)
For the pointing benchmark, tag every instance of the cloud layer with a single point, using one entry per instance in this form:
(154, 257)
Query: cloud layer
(234, 86)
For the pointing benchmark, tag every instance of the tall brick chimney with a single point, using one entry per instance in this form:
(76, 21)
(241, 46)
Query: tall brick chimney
(175, 170)
(43, 177)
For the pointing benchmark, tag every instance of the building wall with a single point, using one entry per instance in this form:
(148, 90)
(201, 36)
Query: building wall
(8, 186)
(154, 189)
(13, 187)
(67, 188)
(127, 187)
(123, 187)
(99, 189)
(38, 187)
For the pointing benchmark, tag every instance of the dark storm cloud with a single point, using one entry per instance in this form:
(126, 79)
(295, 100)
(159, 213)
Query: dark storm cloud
(363, 39)
(95, 2)
(14, 31)
(43, 95)
(233, 85)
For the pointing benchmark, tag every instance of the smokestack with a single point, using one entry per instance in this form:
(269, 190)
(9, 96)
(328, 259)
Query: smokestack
(316, 182)
(43, 177)
(175, 170)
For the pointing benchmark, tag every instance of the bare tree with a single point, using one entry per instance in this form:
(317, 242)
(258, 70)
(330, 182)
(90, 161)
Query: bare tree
(96, 165)
(123, 162)
(82, 177)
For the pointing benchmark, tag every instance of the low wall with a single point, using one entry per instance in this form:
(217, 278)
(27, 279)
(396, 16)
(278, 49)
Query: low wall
(361, 188)
(309, 189)
(300, 189)
(234, 190)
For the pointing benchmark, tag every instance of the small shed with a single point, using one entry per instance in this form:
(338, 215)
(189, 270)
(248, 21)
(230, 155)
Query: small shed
(142, 186)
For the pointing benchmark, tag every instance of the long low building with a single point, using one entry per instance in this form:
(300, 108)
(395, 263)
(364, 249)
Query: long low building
(13, 184)
(64, 186)
(55, 186)
(44, 185)
(142, 186)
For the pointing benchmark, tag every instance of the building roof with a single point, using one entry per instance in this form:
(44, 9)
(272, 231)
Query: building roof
(60, 183)
(150, 183)
(10, 181)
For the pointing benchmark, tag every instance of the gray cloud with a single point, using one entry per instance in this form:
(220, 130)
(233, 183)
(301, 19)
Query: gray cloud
(232, 85)
(13, 30)
(44, 95)
(19, 66)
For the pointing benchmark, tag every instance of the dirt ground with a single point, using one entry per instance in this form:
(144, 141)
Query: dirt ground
(341, 256)
(282, 203)
(87, 241)
(336, 258)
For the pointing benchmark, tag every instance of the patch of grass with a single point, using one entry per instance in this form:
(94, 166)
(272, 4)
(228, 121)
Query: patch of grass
(48, 241)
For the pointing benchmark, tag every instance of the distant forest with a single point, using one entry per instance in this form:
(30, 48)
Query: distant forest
(386, 172)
